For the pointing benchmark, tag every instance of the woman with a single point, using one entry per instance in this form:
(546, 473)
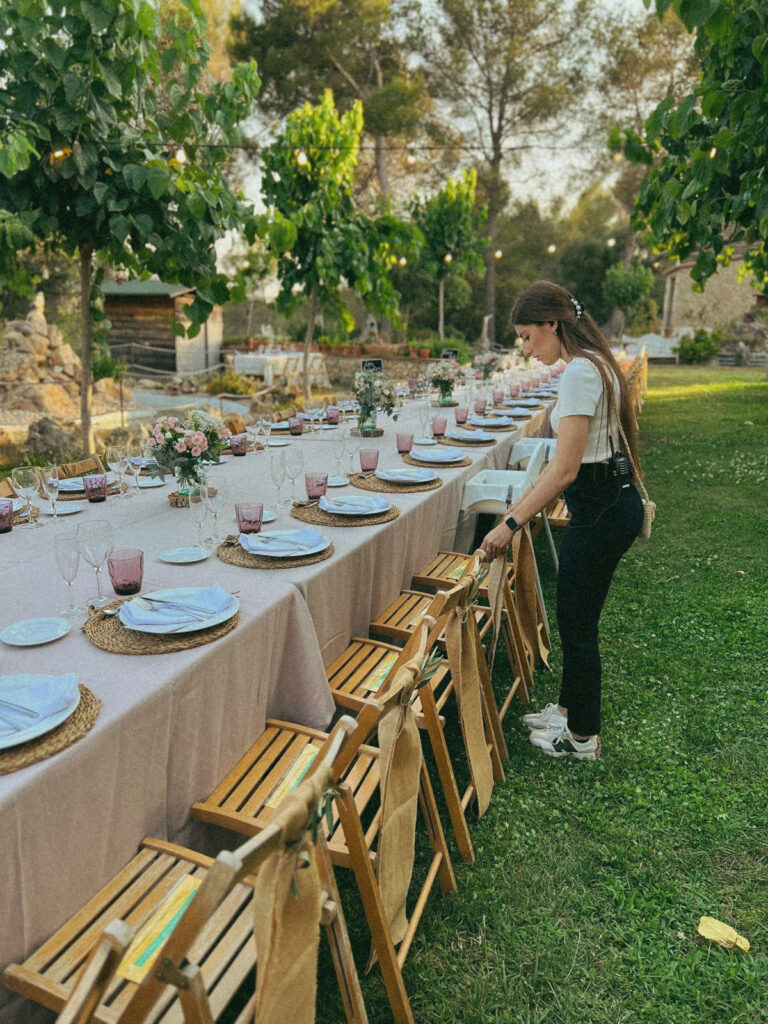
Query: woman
(606, 510)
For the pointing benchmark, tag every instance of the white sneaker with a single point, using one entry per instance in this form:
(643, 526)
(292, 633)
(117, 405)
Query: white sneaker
(557, 741)
(545, 718)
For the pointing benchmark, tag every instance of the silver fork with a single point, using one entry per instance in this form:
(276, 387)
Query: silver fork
(148, 604)
(20, 707)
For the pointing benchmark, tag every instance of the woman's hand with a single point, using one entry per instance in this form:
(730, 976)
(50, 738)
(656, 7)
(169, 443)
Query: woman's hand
(496, 542)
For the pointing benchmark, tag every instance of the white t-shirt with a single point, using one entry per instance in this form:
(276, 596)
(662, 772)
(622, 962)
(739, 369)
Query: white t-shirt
(582, 394)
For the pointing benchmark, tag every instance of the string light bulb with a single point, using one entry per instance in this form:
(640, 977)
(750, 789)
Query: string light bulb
(402, 262)
(611, 242)
(713, 153)
(551, 249)
(498, 254)
(448, 258)
(301, 158)
(410, 159)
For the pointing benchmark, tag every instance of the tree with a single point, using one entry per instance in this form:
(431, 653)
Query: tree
(350, 46)
(506, 71)
(112, 144)
(321, 241)
(707, 189)
(450, 222)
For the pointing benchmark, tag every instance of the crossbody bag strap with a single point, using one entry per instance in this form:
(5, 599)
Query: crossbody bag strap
(640, 484)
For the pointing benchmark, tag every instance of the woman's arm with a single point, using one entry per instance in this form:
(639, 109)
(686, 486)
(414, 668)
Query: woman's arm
(550, 484)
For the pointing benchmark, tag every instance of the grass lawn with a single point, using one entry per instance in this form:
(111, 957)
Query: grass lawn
(590, 879)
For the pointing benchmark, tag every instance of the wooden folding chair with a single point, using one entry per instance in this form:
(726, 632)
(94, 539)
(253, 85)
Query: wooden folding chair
(349, 677)
(192, 919)
(447, 567)
(242, 802)
(92, 464)
(6, 488)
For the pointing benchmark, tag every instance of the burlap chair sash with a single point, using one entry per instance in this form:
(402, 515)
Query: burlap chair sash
(460, 643)
(496, 579)
(92, 464)
(400, 766)
(287, 906)
(526, 597)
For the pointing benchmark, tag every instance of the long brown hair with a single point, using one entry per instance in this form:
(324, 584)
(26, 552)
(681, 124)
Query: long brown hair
(545, 302)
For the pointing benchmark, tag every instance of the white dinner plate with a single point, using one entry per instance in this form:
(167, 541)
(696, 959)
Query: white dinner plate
(277, 442)
(424, 441)
(280, 425)
(17, 504)
(42, 725)
(180, 594)
(446, 455)
(530, 403)
(65, 508)
(184, 556)
(268, 516)
(263, 546)
(75, 483)
(31, 632)
(355, 505)
(150, 481)
(492, 422)
(337, 481)
(407, 475)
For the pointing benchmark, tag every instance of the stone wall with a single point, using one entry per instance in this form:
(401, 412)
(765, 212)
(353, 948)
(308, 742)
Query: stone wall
(342, 369)
(724, 299)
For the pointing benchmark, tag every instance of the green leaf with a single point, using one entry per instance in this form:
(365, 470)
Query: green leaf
(143, 222)
(135, 175)
(695, 13)
(158, 180)
(98, 15)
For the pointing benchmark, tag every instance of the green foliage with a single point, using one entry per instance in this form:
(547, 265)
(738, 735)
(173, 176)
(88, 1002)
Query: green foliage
(625, 286)
(230, 382)
(450, 222)
(105, 366)
(96, 99)
(707, 189)
(307, 180)
(701, 347)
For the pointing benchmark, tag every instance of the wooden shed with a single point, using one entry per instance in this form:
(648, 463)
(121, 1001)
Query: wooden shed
(140, 335)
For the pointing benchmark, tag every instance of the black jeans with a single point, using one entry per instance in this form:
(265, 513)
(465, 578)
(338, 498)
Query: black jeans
(605, 520)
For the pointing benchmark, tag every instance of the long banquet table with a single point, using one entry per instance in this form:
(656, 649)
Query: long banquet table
(172, 724)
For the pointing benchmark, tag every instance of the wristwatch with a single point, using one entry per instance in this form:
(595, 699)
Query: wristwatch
(512, 524)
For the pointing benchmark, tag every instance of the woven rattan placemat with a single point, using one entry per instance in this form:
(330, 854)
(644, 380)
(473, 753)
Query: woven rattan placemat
(437, 465)
(465, 442)
(108, 633)
(63, 736)
(231, 553)
(373, 483)
(319, 517)
(19, 519)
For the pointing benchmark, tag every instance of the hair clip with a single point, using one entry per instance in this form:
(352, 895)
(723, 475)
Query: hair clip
(577, 306)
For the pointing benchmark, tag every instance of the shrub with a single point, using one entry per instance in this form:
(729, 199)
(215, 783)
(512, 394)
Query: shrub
(229, 382)
(701, 347)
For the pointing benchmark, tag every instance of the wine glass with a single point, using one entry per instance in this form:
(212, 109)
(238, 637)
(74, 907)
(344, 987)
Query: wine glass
(67, 557)
(115, 459)
(26, 483)
(134, 461)
(425, 414)
(49, 481)
(199, 507)
(294, 467)
(95, 542)
(340, 449)
(277, 472)
(215, 499)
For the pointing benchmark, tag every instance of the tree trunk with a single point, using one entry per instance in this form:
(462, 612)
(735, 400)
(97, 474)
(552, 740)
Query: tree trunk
(489, 301)
(311, 315)
(380, 159)
(441, 309)
(86, 337)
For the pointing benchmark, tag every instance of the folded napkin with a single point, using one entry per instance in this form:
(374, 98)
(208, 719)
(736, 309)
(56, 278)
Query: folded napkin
(75, 483)
(185, 605)
(490, 421)
(410, 474)
(359, 505)
(280, 425)
(438, 455)
(45, 695)
(469, 435)
(279, 543)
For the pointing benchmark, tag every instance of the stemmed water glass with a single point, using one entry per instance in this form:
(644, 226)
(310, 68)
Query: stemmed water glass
(340, 448)
(26, 483)
(49, 481)
(95, 543)
(199, 507)
(294, 467)
(277, 472)
(115, 459)
(134, 461)
(215, 499)
(425, 414)
(67, 557)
